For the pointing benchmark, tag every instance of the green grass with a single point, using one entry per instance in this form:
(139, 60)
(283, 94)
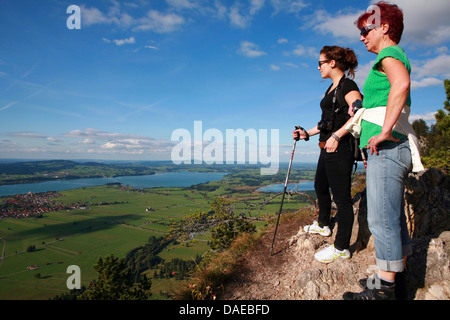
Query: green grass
(115, 222)
(79, 237)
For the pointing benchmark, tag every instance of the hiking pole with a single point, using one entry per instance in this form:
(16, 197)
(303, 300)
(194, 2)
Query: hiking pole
(285, 186)
(363, 155)
(357, 104)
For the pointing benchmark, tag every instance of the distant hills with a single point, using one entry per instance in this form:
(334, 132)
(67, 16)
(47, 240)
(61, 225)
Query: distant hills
(38, 171)
(29, 171)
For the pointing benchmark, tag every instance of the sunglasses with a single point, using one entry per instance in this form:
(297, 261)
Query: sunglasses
(321, 62)
(365, 30)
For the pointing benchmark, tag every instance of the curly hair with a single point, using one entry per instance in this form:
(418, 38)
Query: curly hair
(345, 58)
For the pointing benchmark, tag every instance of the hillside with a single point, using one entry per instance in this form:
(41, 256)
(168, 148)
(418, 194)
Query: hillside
(292, 273)
(38, 171)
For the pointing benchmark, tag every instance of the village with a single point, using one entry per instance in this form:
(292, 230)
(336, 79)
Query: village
(33, 205)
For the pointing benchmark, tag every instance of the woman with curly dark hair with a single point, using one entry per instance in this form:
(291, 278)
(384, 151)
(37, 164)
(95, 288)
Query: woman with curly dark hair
(336, 158)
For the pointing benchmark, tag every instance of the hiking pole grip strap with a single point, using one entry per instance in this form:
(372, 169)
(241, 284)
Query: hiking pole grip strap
(306, 132)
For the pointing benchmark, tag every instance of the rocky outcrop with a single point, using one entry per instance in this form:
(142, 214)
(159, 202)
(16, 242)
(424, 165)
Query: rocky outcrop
(427, 203)
(427, 208)
(293, 273)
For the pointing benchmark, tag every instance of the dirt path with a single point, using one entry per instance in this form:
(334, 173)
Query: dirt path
(260, 274)
(292, 273)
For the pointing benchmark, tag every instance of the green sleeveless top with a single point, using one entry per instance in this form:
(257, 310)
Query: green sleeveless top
(376, 92)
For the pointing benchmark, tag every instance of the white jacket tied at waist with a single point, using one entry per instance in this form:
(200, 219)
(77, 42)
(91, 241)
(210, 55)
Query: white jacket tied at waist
(376, 116)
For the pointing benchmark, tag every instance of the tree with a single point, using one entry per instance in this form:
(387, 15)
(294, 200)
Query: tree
(421, 128)
(114, 283)
(222, 221)
(434, 141)
(224, 233)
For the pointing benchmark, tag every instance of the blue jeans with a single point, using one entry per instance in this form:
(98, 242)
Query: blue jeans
(385, 185)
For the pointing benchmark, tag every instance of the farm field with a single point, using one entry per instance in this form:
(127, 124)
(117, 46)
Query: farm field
(115, 221)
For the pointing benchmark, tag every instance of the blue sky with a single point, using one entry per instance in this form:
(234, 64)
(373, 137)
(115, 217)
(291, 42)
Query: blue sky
(138, 70)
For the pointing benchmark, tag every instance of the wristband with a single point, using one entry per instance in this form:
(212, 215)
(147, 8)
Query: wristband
(335, 136)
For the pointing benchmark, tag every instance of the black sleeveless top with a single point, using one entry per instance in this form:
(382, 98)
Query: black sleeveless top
(328, 108)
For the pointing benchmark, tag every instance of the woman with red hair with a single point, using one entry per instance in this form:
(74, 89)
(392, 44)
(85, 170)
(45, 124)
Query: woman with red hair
(392, 148)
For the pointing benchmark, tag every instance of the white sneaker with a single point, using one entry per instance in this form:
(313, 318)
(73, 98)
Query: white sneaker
(329, 254)
(314, 228)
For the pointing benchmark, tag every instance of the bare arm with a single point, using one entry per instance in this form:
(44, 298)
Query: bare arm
(350, 97)
(300, 134)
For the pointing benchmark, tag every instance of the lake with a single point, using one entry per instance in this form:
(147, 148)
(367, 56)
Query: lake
(301, 186)
(167, 179)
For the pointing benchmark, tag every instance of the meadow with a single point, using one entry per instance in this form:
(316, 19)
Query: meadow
(116, 220)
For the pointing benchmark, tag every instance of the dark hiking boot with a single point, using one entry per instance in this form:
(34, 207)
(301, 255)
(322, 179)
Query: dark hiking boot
(374, 289)
(401, 292)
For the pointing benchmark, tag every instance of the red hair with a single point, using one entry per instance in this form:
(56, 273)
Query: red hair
(390, 14)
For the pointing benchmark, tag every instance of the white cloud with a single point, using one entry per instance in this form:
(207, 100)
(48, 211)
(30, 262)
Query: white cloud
(241, 16)
(159, 22)
(274, 67)
(98, 134)
(425, 73)
(290, 65)
(426, 117)
(426, 82)
(439, 65)
(256, 5)
(340, 25)
(182, 4)
(91, 16)
(250, 50)
(308, 51)
(121, 42)
(8, 105)
(238, 20)
(426, 23)
(289, 6)
(32, 135)
(88, 141)
(153, 21)
(430, 72)
(135, 146)
(362, 72)
(442, 49)
(238, 13)
(28, 134)
(119, 142)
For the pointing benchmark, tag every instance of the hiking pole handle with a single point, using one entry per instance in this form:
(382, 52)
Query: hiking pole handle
(297, 138)
(306, 133)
